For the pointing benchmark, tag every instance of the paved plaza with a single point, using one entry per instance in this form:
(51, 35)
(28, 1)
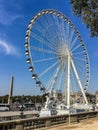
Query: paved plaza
(90, 124)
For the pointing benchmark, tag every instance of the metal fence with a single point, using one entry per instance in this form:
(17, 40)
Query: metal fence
(44, 122)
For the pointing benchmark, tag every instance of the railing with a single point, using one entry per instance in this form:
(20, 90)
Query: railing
(44, 122)
(16, 117)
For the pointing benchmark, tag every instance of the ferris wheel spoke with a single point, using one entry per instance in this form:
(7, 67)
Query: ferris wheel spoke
(53, 36)
(43, 50)
(55, 77)
(46, 22)
(79, 67)
(76, 48)
(64, 85)
(60, 81)
(48, 85)
(53, 42)
(64, 34)
(67, 32)
(39, 28)
(70, 39)
(60, 32)
(52, 39)
(80, 59)
(43, 22)
(38, 38)
(52, 78)
(42, 41)
(77, 53)
(49, 20)
(82, 76)
(49, 68)
(62, 78)
(79, 63)
(73, 80)
(73, 42)
(48, 59)
(54, 33)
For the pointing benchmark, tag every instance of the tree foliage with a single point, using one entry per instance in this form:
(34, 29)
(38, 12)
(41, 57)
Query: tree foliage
(88, 11)
(23, 98)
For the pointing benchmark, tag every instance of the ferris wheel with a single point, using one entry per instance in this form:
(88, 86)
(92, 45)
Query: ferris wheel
(56, 54)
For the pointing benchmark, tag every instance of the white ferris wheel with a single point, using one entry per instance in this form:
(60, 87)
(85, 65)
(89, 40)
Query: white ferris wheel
(56, 54)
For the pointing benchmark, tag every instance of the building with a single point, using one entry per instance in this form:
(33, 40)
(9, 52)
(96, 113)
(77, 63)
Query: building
(78, 97)
(96, 96)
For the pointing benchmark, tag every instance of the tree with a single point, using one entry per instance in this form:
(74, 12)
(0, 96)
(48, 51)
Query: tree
(88, 11)
(4, 99)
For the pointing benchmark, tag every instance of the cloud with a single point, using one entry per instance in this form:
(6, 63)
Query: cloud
(7, 48)
(8, 15)
(7, 18)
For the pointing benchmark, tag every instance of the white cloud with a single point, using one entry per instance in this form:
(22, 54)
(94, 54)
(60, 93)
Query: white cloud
(7, 48)
(7, 16)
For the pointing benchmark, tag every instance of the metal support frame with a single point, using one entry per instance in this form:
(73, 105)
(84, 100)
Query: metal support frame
(68, 83)
(79, 81)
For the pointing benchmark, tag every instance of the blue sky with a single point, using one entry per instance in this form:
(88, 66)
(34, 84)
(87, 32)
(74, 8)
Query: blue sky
(15, 16)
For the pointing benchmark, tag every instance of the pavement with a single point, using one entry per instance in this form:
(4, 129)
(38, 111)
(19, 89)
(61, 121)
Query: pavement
(89, 124)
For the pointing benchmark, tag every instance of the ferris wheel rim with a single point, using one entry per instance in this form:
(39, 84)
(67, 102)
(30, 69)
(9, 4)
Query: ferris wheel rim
(27, 44)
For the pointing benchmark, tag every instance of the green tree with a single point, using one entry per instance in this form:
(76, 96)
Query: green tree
(4, 99)
(88, 11)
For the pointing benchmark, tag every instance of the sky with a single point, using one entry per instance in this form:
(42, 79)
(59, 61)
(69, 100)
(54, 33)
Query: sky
(15, 16)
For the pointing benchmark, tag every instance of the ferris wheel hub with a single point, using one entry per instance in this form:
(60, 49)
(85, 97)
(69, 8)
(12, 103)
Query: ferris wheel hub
(64, 52)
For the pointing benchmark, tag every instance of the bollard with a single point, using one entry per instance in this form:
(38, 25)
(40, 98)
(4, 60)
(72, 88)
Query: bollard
(48, 123)
(19, 127)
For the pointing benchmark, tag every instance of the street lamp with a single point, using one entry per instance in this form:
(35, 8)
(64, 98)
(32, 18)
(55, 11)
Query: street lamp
(22, 107)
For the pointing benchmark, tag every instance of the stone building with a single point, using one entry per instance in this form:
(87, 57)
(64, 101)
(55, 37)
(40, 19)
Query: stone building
(76, 97)
(91, 98)
(57, 95)
(96, 96)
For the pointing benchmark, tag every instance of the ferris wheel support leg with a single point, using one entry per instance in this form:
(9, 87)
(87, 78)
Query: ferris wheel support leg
(47, 102)
(52, 86)
(68, 84)
(79, 81)
(55, 77)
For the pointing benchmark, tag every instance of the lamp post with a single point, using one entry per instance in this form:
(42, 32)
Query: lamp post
(22, 107)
